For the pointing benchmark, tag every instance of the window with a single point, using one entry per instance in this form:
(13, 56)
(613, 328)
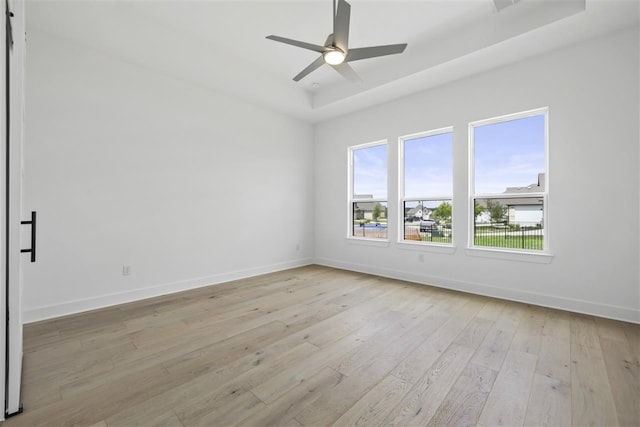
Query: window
(368, 191)
(509, 181)
(426, 170)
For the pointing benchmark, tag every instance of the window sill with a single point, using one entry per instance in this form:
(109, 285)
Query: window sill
(426, 247)
(533, 257)
(380, 243)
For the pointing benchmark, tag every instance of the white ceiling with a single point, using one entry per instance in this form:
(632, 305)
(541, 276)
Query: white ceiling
(221, 45)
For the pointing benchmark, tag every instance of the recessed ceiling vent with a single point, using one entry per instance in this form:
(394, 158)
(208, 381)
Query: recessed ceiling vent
(501, 4)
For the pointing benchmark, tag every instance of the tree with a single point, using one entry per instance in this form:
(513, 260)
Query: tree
(477, 210)
(358, 213)
(442, 212)
(377, 211)
(497, 212)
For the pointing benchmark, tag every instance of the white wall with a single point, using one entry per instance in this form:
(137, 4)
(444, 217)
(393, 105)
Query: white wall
(592, 90)
(126, 166)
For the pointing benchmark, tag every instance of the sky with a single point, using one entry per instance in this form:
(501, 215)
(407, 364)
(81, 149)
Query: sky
(428, 166)
(507, 154)
(370, 171)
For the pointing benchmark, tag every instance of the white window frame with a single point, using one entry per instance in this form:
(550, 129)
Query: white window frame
(544, 254)
(401, 187)
(350, 195)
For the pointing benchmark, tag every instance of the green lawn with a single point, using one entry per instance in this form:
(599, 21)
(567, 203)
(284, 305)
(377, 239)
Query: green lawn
(489, 237)
(512, 242)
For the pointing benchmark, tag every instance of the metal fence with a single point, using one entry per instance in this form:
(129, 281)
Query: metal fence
(438, 234)
(509, 236)
(492, 236)
(372, 230)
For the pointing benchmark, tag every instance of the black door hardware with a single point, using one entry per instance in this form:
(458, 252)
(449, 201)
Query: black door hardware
(33, 236)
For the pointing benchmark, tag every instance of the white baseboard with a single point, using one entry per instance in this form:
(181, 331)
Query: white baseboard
(78, 306)
(550, 301)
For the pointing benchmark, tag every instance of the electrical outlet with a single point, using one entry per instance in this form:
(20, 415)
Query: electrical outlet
(421, 257)
(126, 270)
(298, 247)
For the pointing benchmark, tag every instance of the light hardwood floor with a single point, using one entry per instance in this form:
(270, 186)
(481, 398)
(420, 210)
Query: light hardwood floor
(316, 346)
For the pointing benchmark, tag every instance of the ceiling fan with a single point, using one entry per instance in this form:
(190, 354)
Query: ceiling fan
(335, 51)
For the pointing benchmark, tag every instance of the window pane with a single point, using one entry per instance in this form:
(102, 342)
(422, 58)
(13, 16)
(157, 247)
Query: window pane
(515, 223)
(428, 221)
(370, 220)
(428, 166)
(370, 172)
(509, 156)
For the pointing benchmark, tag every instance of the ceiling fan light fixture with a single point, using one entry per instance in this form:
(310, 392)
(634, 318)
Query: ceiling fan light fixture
(334, 57)
(336, 51)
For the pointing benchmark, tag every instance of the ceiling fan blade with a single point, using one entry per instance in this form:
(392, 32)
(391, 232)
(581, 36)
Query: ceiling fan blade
(341, 26)
(374, 51)
(347, 72)
(329, 41)
(297, 43)
(311, 67)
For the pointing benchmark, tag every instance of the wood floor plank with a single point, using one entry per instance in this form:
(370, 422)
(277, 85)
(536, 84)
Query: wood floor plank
(511, 316)
(414, 313)
(171, 421)
(41, 395)
(621, 353)
(58, 351)
(140, 358)
(283, 362)
(328, 408)
(211, 400)
(633, 336)
(591, 399)
(509, 397)
(464, 402)
(549, 402)
(492, 309)
(530, 330)
(422, 401)
(291, 310)
(584, 331)
(413, 367)
(554, 356)
(494, 348)
(121, 393)
(220, 353)
(557, 325)
(236, 410)
(284, 409)
(34, 339)
(211, 390)
(623, 370)
(76, 368)
(474, 333)
(373, 407)
(351, 320)
(280, 384)
(316, 346)
(291, 423)
(550, 399)
(147, 416)
(611, 329)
